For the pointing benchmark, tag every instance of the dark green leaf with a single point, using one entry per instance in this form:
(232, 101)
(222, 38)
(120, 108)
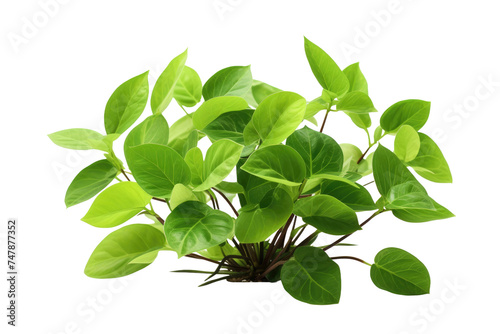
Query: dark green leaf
(327, 214)
(399, 272)
(321, 154)
(312, 277)
(358, 199)
(229, 126)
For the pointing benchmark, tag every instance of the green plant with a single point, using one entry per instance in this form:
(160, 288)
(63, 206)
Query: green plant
(310, 177)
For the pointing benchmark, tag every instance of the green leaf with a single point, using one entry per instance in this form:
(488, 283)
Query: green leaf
(220, 160)
(118, 254)
(314, 107)
(194, 226)
(389, 171)
(105, 143)
(126, 104)
(399, 272)
(194, 159)
(230, 187)
(430, 162)
(277, 116)
(409, 195)
(181, 194)
(183, 136)
(163, 91)
(261, 90)
(377, 134)
(327, 214)
(362, 121)
(257, 223)
(406, 143)
(351, 156)
(117, 204)
(278, 163)
(213, 108)
(75, 139)
(356, 103)
(218, 252)
(326, 71)
(89, 182)
(312, 277)
(153, 130)
(321, 154)
(423, 215)
(356, 79)
(358, 199)
(187, 91)
(409, 112)
(157, 168)
(229, 126)
(231, 81)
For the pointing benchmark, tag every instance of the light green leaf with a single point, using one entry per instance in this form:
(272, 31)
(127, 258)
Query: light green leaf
(326, 71)
(181, 194)
(358, 199)
(187, 91)
(327, 214)
(406, 143)
(256, 223)
(118, 254)
(194, 159)
(362, 121)
(117, 204)
(277, 116)
(157, 168)
(230, 187)
(314, 107)
(231, 81)
(194, 226)
(89, 182)
(356, 79)
(105, 144)
(312, 277)
(213, 108)
(220, 160)
(262, 90)
(356, 103)
(409, 195)
(278, 163)
(351, 156)
(163, 91)
(126, 104)
(409, 112)
(399, 272)
(377, 134)
(430, 162)
(75, 139)
(321, 154)
(153, 130)
(218, 252)
(183, 136)
(423, 215)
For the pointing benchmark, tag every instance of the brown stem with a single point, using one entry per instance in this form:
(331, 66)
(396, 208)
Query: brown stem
(199, 257)
(269, 269)
(363, 155)
(324, 121)
(349, 258)
(159, 199)
(125, 174)
(228, 201)
(348, 235)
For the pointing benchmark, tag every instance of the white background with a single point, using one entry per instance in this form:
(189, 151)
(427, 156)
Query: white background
(61, 74)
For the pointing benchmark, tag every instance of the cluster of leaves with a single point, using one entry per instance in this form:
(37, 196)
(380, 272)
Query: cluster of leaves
(283, 173)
